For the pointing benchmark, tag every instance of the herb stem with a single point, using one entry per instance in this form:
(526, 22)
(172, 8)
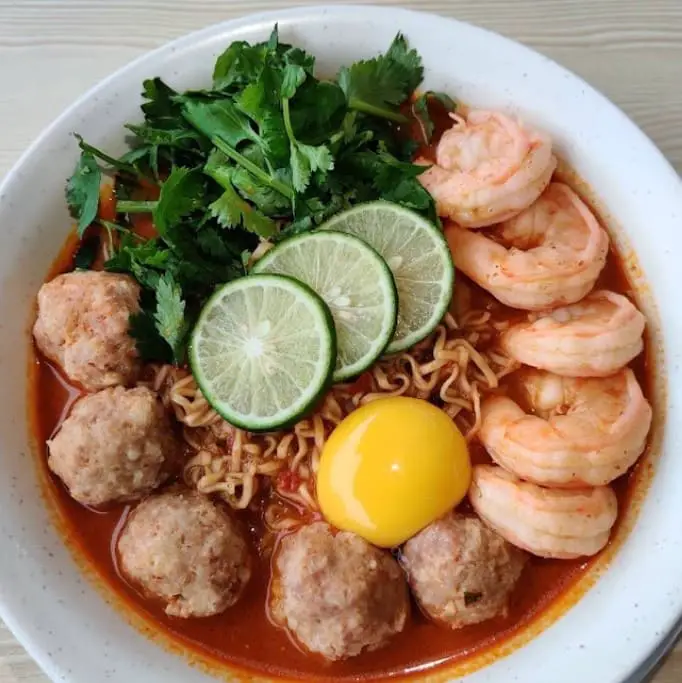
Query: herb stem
(131, 206)
(114, 226)
(366, 108)
(252, 168)
(114, 163)
(286, 114)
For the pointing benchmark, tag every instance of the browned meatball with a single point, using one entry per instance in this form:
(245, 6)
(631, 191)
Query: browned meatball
(337, 594)
(83, 326)
(116, 445)
(186, 550)
(461, 572)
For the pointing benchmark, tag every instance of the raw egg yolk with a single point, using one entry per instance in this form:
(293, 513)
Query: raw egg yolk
(391, 468)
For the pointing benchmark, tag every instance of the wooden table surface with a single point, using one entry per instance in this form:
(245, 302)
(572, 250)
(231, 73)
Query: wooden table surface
(51, 51)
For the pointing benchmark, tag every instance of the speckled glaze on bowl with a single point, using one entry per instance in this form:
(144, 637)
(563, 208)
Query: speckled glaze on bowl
(610, 634)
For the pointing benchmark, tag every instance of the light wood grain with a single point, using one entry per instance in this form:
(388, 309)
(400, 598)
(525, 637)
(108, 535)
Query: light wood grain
(51, 51)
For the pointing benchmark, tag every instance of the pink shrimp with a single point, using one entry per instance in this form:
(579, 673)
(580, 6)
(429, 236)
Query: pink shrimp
(596, 337)
(488, 169)
(549, 255)
(545, 522)
(585, 432)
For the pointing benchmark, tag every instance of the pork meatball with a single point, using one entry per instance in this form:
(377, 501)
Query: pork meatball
(184, 549)
(460, 571)
(335, 593)
(116, 445)
(83, 326)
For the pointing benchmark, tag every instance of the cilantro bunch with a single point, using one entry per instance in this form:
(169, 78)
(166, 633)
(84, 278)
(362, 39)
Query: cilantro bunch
(269, 150)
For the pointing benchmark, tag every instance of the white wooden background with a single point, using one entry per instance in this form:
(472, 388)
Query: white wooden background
(53, 50)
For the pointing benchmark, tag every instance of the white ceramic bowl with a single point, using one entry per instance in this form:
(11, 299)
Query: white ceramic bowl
(615, 631)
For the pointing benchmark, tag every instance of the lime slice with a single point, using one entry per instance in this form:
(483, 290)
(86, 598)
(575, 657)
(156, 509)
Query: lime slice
(263, 351)
(356, 284)
(419, 258)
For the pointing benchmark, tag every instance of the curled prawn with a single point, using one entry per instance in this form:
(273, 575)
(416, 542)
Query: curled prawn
(595, 337)
(488, 168)
(586, 432)
(546, 522)
(550, 254)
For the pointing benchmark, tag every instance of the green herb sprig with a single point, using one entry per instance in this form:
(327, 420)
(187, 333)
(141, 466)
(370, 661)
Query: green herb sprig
(269, 150)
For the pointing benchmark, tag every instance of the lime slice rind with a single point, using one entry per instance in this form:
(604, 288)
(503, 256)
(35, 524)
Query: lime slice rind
(356, 284)
(263, 351)
(419, 258)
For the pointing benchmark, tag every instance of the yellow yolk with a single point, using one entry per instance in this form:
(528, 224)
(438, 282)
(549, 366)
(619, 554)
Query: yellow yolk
(391, 468)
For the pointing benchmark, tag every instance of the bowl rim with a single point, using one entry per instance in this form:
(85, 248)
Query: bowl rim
(23, 631)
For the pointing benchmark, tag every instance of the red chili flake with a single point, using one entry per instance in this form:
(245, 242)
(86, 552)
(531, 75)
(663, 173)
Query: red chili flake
(288, 481)
(362, 384)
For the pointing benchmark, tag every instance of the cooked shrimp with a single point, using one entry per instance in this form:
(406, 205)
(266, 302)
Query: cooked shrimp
(586, 432)
(545, 522)
(549, 255)
(594, 338)
(488, 168)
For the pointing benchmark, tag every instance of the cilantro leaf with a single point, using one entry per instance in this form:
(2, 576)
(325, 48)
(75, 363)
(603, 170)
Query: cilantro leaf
(240, 64)
(150, 253)
(296, 56)
(260, 102)
(87, 253)
(150, 345)
(393, 180)
(317, 111)
(269, 201)
(294, 75)
(230, 210)
(181, 194)
(164, 139)
(170, 316)
(219, 118)
(315, 211)
(254, 221)
(211, 242)
(165, 146)
(227, 209)
(400, 58)
(160, 100)
(199, 275)
(143, 156)
(219, 245)
(273, 40)
(145, 260)
(379, 86)
(82, 191)
(305, 159)
(219, 168)
(170, 137)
